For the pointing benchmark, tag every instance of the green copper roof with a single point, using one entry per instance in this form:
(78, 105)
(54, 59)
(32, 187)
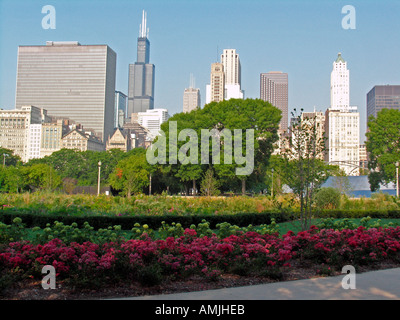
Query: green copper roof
(339, 58)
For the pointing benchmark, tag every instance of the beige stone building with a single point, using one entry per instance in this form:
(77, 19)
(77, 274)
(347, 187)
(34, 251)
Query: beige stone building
(191, 99)
(119, 140)
(216, 88)
(81, 141)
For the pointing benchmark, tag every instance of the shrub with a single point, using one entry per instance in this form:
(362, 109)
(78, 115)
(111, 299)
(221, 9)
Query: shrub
(327, 198)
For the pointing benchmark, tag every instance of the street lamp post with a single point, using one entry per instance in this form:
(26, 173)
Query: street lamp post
(4, 159)
(397, 179)
(98, 179)
(150, 186)
(272, 187)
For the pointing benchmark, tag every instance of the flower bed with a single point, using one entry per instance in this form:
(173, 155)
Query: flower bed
(154, 261)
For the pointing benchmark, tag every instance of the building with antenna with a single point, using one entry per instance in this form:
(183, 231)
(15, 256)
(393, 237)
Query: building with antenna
(141, 75)
(191, 97)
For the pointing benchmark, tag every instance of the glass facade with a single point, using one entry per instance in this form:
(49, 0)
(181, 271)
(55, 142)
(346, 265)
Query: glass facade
(69, 80)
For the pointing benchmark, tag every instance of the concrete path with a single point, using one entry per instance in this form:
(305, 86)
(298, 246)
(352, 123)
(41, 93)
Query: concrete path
(374, 285)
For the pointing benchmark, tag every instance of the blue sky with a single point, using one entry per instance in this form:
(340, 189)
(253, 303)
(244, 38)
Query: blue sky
(300, 37)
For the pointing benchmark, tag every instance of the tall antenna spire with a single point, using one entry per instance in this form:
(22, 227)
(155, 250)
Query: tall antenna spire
(143, 30)
(192, 81)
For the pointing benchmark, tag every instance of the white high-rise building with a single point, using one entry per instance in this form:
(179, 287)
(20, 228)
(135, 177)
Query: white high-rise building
(340, 85)
(342, 126)
(232, 69)
(34, 141)
(226, 75)
(152, 120)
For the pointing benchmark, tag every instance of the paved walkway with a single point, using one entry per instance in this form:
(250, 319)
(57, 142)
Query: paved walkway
(374, 285)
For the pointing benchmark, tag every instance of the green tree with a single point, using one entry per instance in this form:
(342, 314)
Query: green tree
(42, 176)
(240, 114)
(327, 198)
(8, 158)
(305, 171)
(12, 179)
(132, 174)
(209, 184)
(383, 147)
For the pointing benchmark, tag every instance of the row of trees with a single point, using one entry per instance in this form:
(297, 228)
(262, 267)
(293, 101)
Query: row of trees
(130, 172)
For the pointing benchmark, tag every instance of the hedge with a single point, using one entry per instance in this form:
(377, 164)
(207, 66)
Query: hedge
(127, 222)
(32, 218)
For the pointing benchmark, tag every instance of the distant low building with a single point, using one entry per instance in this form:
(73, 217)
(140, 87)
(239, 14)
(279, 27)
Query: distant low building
(119, 140)
(81, 141)
(139, 135)
(52, 134)
(20, 131)
(152, 120)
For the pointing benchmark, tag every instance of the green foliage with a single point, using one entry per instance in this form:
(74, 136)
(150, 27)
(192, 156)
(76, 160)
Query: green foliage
(42, 176)
(12, 232)
(82, 166)
(327, 198)
(229, 114)
(8, 158)
(305, 171)
(348, 223)
(174, 230)
(132, 174)
(383, 146)
(72, 233)
(209, 184)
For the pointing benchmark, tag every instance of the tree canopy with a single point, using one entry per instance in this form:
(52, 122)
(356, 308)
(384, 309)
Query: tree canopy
(247, 125)
(383, 147)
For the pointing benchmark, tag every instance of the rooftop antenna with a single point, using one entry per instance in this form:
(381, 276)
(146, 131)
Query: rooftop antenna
(143, 30)
(192, 81)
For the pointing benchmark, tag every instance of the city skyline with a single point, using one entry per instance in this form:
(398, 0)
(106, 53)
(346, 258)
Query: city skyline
(300, 38)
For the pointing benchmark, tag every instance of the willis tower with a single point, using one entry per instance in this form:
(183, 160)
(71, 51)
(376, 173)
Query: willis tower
(141, 75)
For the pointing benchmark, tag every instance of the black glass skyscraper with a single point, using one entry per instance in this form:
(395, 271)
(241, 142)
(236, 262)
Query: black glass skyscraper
(141, 76)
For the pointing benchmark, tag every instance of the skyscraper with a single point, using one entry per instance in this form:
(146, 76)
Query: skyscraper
(69, 80)
(274, 89)
(216, 88)
(342, 122)
(191, 97)
(232, 69)
(382, 97)
(119, 109)
(141, 75)
(340, 85)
